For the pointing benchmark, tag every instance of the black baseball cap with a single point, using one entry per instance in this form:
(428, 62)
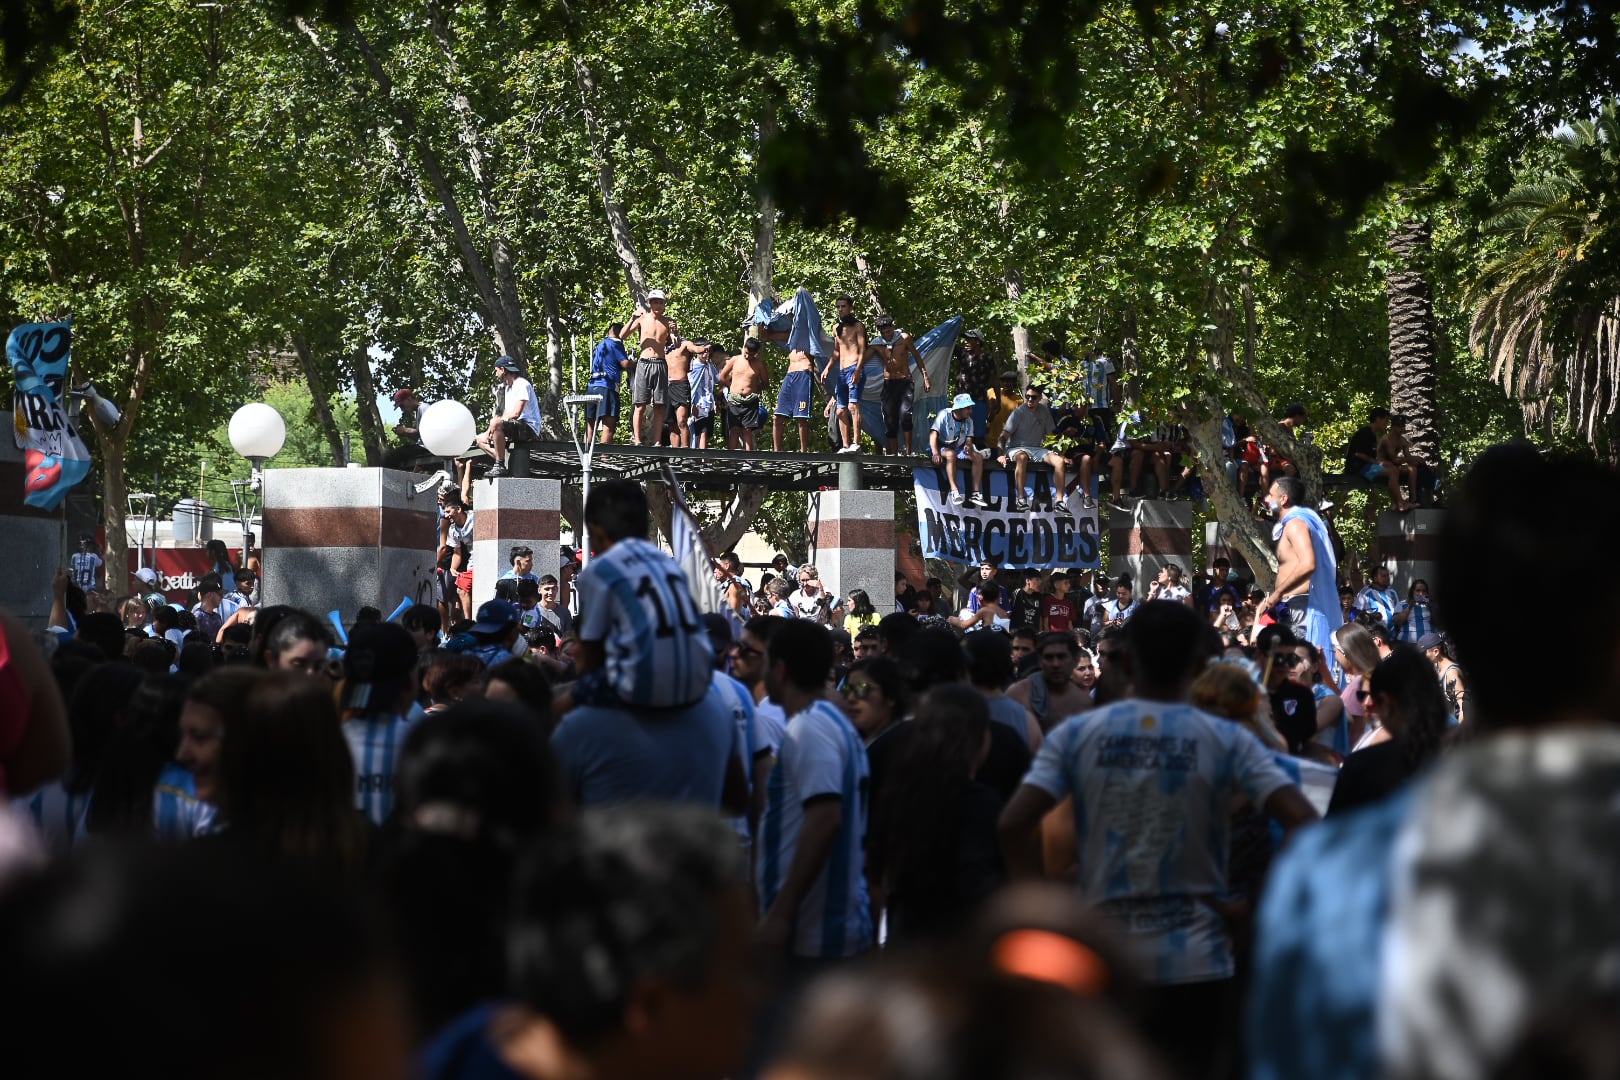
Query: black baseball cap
(377, 666)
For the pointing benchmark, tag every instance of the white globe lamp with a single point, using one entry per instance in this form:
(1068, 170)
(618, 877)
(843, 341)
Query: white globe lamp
(447, 428)
(257, 432)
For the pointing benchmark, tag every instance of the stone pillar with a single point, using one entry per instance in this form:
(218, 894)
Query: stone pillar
(855, 544)
(345, 539)
(1143, 539)
(1408, 544)
(509, 512)
(34, 539)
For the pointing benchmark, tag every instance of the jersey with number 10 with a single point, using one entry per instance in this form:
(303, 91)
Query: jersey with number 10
(636, 601)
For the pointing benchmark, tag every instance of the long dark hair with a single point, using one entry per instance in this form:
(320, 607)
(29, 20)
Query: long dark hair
(918, 814)
(1407, 677)
(288, 778)
(97, 710)
(860, 605)
(139, 750)
(885, 673)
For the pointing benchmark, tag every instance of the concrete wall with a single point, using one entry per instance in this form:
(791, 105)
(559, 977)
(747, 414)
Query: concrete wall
(346, 538)
(1408, 544)
(508, 512)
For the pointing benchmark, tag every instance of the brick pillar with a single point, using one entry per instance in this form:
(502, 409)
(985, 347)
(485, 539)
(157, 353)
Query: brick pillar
(855, 544)
(347, 538)
(1217, 543)
(1143, 539)
(33, 540)
(508, 512)
(1408, 544)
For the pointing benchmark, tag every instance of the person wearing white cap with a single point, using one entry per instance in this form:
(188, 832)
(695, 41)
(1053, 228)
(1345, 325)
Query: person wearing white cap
(649, 387)
(147, 576)
(951, 438)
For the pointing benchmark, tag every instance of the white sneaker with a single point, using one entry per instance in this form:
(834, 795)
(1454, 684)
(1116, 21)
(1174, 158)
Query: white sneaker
(1020, 505)
(852, 448)
(978, 499)
(1062, 508)
(956, 498)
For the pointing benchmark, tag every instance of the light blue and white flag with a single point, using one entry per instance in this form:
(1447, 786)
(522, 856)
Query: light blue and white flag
(54, 456)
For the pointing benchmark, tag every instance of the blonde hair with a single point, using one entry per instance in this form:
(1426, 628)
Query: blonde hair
(1228, 691)
(1360, 651)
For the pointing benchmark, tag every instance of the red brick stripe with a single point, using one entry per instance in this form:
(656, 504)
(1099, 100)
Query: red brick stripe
(1150, 542)
(854, 533)
(12, 475)
(493, 523)
(312, 527)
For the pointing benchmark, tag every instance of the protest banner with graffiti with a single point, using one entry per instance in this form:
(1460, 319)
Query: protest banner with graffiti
(54, 456)
(1038, 537)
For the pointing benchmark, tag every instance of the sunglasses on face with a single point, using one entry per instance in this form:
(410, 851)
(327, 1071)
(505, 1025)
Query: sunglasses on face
(858, 691)
(1363, 695)
(1286, 659)
(744, 652)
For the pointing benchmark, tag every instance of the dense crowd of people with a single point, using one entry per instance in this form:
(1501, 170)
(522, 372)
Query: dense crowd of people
(1062, 830)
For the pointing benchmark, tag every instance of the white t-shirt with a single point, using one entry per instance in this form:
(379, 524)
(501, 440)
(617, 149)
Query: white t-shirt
(821, 755)
(806, 606)
(521, 389)
(1174, 592)
(770, 726)
(636, 601)
(1153, 784)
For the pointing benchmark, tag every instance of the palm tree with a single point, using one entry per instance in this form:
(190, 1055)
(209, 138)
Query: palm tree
(1545, 330)
(1413, 359)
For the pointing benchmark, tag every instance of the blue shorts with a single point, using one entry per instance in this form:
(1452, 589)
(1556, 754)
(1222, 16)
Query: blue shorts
(794, 397)
(1372, 470)
(848, 384)
(609, 409)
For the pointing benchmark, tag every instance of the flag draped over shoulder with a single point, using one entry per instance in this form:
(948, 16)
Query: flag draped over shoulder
(798, 318)
(54, 456)
(935, 348)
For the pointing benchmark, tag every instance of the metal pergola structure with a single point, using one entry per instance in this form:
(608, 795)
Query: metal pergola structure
(723, 469)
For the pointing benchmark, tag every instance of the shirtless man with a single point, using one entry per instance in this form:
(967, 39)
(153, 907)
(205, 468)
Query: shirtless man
(793, 400)
(849, 348)
(899, 391)
(744, 377)
(649, 388)
(1050, 693)
(1396, 454)
(679, 357)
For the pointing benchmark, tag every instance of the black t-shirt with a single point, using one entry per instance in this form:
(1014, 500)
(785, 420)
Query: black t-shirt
(1026, 610)
(1364, 441)
(1293, 713)
(1369, 775)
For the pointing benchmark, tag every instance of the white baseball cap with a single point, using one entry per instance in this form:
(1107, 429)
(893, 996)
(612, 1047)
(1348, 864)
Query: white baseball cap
(656, 294)
(147, 574)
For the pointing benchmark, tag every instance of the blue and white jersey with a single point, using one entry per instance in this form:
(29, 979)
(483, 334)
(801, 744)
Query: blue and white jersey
(1153, 784)
(232, 602)
(177, 813)
(1094, 377)
(636, 601)
(1383, 603)
(1337, 740)
(85, 569)
(375, 742)
(59, 817)
(821, 755)
(1418, 622)
(952, 432)
(741, 704)
(1113, 610)
(701, 378)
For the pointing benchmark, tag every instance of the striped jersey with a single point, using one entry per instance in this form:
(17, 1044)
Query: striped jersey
(1383, 603)
(177, 813)
(1418, 622)
(741, 704)
(375, 743)
(59, 817)
(636, 601)
(821, 755)
(1153, 784)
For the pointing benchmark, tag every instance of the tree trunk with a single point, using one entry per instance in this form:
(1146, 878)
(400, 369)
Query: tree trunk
(365, 393)
(868, 277)
(550, 409)
(1230, 511)
(317, 395)
(1013, 279)
(1240, 377)
(624, 241)
(1129, 355)
(736, 519)
(115, 505)
(1413, 358)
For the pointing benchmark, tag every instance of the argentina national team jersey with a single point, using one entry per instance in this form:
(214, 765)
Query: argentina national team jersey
(177, 813)
(59, 816)
(821, 755)
(375, 743)
(636, 601)
(1153, 784)
(741, 704)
